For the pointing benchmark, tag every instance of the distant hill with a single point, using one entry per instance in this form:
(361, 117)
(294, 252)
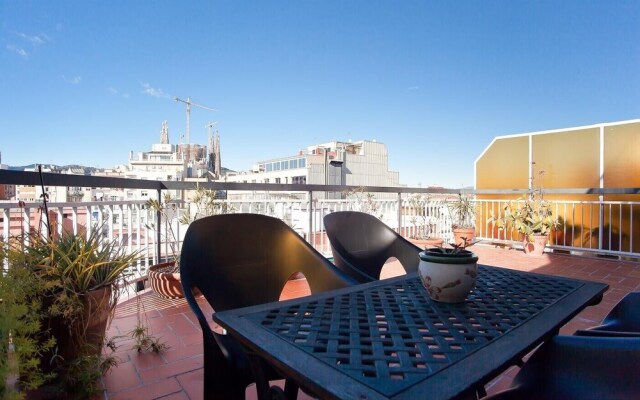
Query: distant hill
(88, 170)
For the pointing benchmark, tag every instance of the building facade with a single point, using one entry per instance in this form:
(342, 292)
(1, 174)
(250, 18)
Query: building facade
(361, 163)
(168, 162)
(7, 192)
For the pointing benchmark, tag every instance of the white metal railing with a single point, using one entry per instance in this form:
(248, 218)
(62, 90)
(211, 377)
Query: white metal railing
(124, 221)
(605, 227)
(131, 223)
(134, 225)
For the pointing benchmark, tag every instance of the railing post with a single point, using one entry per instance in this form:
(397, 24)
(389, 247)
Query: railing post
(400, 213)
(310, 208)
(74, 220)
(159, 230)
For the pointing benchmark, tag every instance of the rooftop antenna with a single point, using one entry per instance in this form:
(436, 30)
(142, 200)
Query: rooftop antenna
(189, 103)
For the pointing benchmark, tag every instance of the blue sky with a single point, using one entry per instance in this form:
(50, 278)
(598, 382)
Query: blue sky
(86, 82)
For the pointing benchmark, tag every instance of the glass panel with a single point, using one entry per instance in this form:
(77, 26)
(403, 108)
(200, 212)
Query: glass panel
(504, 165)
(570, 159)
(621, 166)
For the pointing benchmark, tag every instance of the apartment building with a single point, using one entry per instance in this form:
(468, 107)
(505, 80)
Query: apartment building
(7, 192)
(360, 163)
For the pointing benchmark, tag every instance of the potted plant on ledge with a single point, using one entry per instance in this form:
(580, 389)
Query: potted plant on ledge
(463, 213)
(532, 217)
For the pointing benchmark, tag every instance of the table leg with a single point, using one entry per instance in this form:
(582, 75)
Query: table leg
(290, 389)
(266, 392)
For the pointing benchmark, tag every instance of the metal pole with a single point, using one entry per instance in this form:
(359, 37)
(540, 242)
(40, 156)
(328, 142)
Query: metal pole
(159, 229)
(601, 196)
(400, 213)
(325, 150)
(310, 208)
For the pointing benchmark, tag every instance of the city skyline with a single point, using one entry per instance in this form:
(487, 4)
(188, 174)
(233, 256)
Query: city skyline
(85, 83)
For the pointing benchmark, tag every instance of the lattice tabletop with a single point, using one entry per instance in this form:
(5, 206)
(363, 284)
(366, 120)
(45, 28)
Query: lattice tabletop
(390, 337)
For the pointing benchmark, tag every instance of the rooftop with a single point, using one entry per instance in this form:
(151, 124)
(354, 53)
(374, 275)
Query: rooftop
(177, 373)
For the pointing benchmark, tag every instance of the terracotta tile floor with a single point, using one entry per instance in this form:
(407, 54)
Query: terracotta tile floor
(178, 372)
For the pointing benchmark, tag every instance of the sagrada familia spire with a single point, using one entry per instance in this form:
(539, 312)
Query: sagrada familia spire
(164, 133)
(214, 164)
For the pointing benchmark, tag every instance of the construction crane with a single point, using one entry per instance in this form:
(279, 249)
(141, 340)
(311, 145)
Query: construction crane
(189, 103)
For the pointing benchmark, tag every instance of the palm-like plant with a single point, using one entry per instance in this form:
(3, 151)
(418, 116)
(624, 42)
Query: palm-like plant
(463, 212)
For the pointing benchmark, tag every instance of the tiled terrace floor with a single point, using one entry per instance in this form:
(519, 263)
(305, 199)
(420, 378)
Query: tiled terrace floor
(177, 373)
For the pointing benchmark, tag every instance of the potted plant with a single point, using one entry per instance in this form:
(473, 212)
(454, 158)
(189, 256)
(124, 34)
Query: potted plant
(422, 221)
(448, 274)
(463, 213)
(164, 277)
(532, 217)
(75, 282)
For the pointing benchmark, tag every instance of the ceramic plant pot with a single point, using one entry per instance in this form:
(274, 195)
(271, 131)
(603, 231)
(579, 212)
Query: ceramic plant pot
(165, 281)
(84, 336)
(535, 248)
(448, 277)
(467, 233)
(428, 243)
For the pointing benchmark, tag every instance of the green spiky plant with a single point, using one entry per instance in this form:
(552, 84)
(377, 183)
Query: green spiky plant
(462, 211)
(49, 298)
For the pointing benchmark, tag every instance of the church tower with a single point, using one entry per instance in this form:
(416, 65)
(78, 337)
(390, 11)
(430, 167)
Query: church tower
(164, 133)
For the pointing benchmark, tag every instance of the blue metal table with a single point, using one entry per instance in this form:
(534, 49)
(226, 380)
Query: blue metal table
(389, 340)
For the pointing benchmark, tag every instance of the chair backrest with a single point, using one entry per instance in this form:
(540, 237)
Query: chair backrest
(625, 316)
(623, 320)
(361, 244)
(577, 367)
(238, 260)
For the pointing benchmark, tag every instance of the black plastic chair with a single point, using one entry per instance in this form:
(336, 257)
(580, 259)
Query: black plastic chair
(239, 260)
(579, 367)
(361, 244)
(622, 321)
